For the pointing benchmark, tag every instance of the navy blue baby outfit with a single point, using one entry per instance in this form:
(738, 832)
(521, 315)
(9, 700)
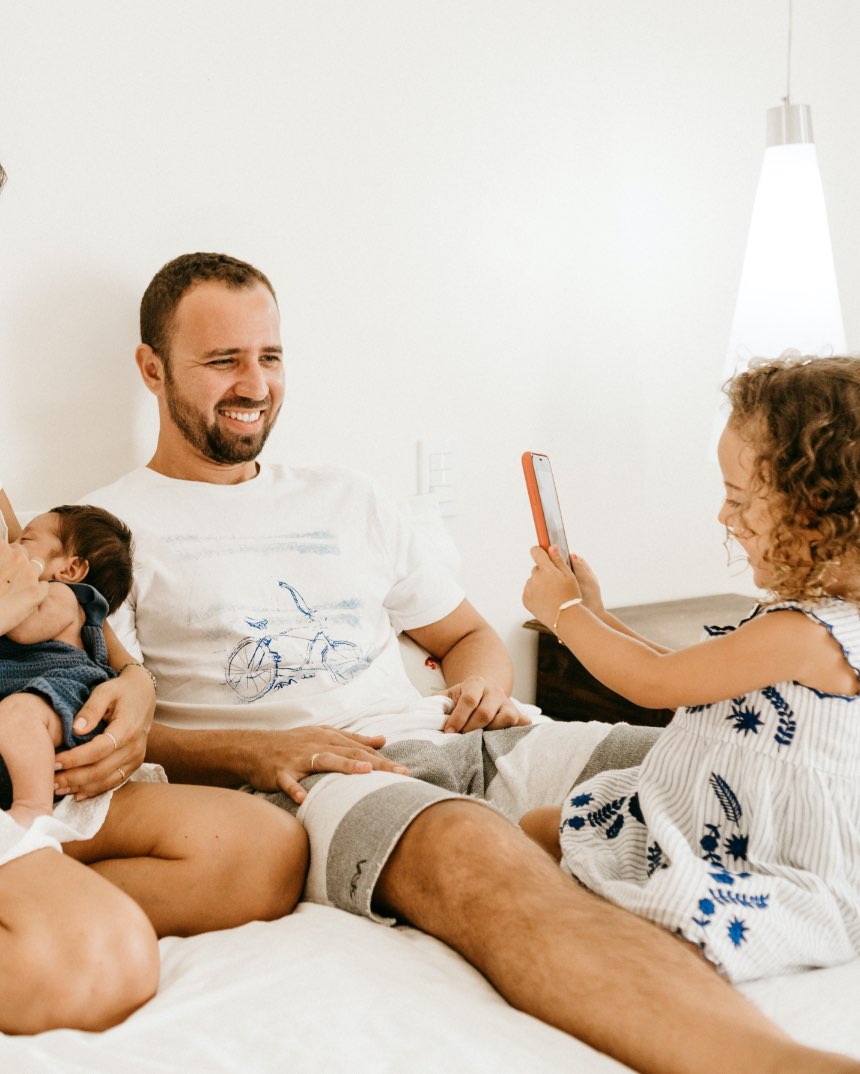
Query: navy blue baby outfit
(58, 672)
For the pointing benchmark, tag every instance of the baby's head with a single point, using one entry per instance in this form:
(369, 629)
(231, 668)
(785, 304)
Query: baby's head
(78, 543)
(794, 436)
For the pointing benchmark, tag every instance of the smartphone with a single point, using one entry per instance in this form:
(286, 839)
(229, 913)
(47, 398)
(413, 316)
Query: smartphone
(544, 500)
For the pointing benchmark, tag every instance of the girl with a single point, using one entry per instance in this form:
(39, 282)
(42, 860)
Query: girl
(740, 831)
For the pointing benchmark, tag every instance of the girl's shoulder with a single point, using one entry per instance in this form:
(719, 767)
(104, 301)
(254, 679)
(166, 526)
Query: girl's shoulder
(840, 618)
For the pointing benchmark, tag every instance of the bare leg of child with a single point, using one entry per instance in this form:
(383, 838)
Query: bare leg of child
(199, 858)
(541, 825)
(29, 732)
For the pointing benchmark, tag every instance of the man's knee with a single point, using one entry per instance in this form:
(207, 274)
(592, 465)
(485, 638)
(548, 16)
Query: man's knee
(454, 845)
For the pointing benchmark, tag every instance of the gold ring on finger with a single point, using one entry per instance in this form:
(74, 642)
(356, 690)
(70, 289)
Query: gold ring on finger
(314, 762)
(115, 743)
(122, 774)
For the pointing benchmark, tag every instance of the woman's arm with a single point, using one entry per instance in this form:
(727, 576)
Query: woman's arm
(13, 526)
(59, 617)
(127, 703)
(21, 592)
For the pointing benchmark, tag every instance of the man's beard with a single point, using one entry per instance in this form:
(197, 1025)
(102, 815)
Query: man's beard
(211, 441)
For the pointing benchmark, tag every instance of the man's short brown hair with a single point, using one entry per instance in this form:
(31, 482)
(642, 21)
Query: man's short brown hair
(175, 279)
(104, 542)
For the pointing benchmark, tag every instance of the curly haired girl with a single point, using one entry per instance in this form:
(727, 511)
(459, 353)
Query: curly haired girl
(740, 831)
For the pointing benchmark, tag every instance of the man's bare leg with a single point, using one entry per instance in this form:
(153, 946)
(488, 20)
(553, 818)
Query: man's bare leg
(199, 858)
(74, 951)
(621, 984)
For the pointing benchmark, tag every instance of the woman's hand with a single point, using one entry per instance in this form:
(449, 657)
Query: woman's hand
(21, 592)
(550, 584)
(127, 703)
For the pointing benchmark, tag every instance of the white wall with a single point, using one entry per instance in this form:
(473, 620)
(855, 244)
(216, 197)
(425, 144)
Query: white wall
(517, 221)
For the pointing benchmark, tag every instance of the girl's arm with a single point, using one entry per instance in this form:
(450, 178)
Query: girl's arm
(772, 648)
(592, 598)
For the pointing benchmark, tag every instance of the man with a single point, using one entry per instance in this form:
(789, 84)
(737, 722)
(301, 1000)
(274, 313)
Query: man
(267, 602)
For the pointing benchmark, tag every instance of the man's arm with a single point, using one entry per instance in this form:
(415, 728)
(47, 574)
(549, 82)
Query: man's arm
(267, 760)
(476, 667)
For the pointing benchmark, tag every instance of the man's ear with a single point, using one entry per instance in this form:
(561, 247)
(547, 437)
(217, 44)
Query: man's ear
(151, 368)
(75, 569)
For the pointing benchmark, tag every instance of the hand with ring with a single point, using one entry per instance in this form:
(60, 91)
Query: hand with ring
(127, 704)
(279, 760)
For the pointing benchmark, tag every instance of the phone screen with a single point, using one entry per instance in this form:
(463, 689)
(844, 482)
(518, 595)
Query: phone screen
(550, 507)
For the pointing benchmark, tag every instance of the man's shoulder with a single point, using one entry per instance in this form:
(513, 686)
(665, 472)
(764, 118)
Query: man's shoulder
(126, 489)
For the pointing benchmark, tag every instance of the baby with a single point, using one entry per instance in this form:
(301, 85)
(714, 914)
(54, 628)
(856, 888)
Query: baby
(53, 659)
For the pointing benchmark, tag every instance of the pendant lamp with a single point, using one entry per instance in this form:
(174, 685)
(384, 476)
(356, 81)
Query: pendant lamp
(787, 298)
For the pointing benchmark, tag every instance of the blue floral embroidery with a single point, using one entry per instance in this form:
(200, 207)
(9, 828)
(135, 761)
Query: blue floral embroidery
(746, 719)
(655, 858)
(710, 843)
(736, 846)
(784, 734)
(608, 814)
(726, 797)
(737, 931)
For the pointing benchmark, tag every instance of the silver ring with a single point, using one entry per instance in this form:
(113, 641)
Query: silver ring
(122, 774)
(40, 564)
(115, 743)
(314, 762)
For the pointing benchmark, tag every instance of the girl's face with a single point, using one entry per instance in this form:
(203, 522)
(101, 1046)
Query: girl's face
(744, 512)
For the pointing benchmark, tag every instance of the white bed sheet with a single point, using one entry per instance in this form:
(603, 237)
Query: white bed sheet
(324, 991)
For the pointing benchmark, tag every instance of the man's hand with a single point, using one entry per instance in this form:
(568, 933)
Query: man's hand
(127, 703)
(277, 760)
(479, 705)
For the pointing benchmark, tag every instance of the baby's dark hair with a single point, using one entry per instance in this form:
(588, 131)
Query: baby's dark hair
(104, 542)
(801, 416)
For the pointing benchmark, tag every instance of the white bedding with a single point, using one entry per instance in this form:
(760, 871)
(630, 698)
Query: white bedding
(323, 990)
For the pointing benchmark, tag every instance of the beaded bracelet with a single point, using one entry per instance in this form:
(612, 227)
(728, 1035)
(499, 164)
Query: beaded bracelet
(137, 664)
(561, 608)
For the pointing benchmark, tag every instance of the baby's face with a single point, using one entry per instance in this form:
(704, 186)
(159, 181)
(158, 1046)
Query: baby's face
(40, 540)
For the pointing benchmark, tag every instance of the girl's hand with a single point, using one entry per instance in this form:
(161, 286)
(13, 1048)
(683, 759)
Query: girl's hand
(592, 598)
(127, 703)
(550, 584)
(21, 592)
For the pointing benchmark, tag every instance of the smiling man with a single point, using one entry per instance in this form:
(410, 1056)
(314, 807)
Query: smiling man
(224, 431)
(267, 601)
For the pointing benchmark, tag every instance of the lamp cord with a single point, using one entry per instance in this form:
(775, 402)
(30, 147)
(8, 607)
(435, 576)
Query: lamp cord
(788, 59)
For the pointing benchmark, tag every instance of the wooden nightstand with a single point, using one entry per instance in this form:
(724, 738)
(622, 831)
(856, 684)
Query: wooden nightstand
(566, 691)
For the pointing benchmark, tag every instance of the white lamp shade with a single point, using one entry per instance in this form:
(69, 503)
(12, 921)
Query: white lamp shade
(787, 298)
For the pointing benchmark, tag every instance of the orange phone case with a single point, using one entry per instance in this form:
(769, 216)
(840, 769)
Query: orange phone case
(536, 500)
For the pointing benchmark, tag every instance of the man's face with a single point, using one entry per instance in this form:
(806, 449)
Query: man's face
(224, 380)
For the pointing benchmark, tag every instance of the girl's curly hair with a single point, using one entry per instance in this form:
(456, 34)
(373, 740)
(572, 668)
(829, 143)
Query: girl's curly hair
(801, 416)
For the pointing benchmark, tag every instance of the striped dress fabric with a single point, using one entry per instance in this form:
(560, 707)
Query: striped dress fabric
(740, 830)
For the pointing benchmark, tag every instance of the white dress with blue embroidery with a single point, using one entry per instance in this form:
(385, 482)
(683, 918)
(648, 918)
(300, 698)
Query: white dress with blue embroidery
(741, 829)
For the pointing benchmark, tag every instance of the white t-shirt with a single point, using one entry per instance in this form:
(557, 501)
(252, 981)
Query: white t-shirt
(275, 602)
